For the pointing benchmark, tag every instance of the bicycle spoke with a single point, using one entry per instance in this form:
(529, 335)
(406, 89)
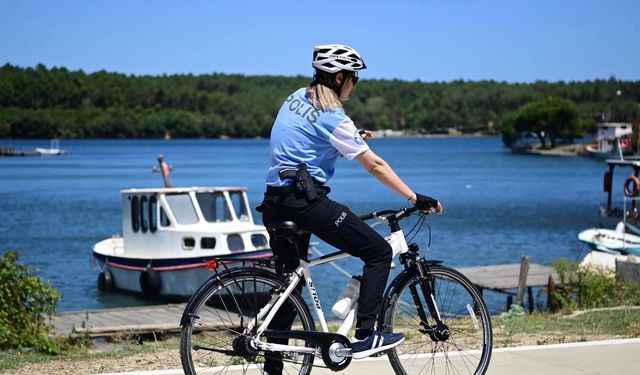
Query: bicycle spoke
(222, 317)
(462, 350)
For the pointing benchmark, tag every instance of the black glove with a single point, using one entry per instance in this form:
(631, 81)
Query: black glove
(425, 203)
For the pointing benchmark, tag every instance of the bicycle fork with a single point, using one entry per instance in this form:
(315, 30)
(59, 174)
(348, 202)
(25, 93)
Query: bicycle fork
(439, 332)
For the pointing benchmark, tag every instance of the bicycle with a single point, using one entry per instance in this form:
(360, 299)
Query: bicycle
(442, 315)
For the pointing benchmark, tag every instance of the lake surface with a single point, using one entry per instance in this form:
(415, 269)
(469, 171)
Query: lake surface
(498, 205)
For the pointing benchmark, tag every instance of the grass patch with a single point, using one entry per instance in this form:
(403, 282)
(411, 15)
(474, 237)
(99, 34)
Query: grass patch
(545, 328)
(534, 329)
(118, 348)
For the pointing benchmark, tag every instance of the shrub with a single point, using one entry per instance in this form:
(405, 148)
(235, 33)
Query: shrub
(25, 302)
(584, 288)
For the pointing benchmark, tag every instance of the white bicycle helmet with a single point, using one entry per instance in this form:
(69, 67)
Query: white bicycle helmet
(333, 58)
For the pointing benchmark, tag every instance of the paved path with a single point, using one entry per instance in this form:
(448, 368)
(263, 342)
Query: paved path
(594, 357)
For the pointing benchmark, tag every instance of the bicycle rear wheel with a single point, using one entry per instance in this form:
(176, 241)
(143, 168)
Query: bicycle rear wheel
(214, 339)
(464, 348)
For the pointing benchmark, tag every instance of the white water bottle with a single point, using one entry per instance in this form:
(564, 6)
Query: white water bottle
(347, 298)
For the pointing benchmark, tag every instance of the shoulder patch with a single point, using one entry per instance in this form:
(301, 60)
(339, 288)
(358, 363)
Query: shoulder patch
(357, 138)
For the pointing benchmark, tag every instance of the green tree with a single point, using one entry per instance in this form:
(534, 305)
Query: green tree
(44, 102)
(548, 119)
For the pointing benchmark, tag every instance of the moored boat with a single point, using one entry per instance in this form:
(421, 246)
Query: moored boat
(611, 241)
(613, 141)
(169, 235)
(54, 150)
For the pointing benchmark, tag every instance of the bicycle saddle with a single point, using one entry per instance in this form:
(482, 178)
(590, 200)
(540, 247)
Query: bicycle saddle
(285, 226)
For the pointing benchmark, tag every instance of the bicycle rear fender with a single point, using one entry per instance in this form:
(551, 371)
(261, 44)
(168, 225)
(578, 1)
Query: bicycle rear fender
(228, 273)
(397, 282)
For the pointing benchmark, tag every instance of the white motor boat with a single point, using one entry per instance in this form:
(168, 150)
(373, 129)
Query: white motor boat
(170, 234)
(611, 241)
(54, 150)
(613, 140)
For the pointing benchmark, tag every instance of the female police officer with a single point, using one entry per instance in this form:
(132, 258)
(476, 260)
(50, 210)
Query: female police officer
(310, 133)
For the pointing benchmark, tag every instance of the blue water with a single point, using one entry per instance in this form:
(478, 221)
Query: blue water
(498, 205)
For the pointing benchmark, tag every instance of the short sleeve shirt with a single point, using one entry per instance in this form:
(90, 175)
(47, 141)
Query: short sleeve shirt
(304, 134)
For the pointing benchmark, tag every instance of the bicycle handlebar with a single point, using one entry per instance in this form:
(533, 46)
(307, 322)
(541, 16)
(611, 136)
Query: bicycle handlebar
(385, 214)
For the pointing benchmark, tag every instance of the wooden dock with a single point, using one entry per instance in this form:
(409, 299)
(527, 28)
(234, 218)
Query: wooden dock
(508, 278)
(126, 320)
(166, 318)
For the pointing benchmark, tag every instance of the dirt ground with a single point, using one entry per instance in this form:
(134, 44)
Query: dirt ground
(164, 359)
(145, 361)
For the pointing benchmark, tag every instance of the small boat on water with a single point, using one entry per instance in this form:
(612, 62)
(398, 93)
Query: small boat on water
(613, 141)
(611, 241)
(608, 246)
(170, 234)
(53, 150)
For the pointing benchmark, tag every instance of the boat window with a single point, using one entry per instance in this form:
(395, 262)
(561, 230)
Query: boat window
(239, 206)
(164, 219)
(144, 214)
(182, 208)
(234, 241)
(259, 240)
(214, 207)
(153, 214)
(188, 243)
(135, 214)
(207, 242)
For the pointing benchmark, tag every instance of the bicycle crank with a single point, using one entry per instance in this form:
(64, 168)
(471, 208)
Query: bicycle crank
(335, 348)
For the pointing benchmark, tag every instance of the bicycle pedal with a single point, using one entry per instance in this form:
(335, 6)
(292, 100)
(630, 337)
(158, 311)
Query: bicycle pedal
(378, 354)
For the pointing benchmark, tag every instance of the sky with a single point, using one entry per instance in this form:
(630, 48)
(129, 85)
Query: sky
(444, 40)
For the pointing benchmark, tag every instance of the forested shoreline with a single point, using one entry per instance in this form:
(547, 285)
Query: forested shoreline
(46, 102)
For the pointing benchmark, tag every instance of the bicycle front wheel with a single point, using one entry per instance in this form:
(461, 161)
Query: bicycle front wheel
(215, 338)
(461, 346)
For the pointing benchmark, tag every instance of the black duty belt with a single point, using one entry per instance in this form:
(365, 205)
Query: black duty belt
(287, 189)
(302, 182)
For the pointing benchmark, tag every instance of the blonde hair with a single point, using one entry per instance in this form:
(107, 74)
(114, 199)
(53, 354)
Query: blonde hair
(323, 98)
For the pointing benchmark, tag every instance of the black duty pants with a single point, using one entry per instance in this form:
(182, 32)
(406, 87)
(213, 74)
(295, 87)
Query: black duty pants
(336, 225)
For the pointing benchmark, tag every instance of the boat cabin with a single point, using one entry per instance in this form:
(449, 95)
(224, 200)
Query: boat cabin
(609, 133)
(172, 222)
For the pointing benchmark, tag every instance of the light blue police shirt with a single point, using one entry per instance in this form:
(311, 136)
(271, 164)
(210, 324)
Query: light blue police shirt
(304, 134)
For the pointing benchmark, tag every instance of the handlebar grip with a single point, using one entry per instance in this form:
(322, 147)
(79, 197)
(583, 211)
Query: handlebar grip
(368, 216)
(406, 212)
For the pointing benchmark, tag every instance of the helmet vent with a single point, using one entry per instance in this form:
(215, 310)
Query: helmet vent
(341, 61)
(340, 51)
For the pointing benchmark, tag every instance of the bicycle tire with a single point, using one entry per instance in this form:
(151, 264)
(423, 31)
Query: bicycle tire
(467, 350)
(222, 312)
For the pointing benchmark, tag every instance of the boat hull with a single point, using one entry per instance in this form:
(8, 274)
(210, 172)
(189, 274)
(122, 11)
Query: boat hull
(608, 240)
(178, 278)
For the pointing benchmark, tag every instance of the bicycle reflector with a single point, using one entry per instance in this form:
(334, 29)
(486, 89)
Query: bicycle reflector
(211, 265)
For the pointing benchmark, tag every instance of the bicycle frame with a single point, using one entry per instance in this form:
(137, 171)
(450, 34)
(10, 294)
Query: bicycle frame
(399, 245)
